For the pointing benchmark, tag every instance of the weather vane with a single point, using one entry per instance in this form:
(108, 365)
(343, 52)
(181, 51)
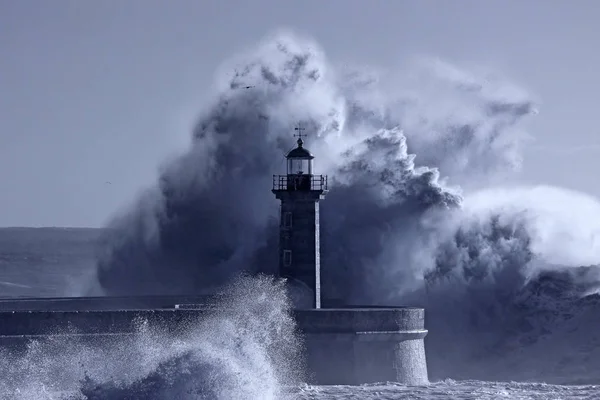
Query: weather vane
(299, 135)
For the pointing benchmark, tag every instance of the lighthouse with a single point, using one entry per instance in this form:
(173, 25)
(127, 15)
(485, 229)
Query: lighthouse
(342, 345)
(299, 191)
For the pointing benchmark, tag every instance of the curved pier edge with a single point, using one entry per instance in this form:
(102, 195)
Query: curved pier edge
(365, 345)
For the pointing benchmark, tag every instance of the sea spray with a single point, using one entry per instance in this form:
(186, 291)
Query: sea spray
(414, 214)
(513, 266)
(211, 213)
(246, 349)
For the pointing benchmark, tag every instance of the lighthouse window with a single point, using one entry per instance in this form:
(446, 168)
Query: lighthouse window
(287, 258)
(299, 166)
(287, 220)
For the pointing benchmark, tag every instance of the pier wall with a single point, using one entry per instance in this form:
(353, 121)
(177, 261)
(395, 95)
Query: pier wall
(342, 345)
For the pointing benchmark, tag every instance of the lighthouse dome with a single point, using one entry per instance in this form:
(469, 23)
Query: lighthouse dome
(300, 152)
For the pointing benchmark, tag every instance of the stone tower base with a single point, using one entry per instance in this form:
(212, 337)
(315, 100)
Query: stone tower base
(364, 345)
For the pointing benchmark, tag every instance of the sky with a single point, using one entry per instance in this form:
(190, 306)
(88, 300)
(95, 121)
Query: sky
(96, 95)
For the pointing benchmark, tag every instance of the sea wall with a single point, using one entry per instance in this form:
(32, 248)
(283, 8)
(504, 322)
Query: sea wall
(342, 346)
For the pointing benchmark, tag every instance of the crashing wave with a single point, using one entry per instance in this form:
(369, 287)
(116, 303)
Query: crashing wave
(415, 212)
(248, 349)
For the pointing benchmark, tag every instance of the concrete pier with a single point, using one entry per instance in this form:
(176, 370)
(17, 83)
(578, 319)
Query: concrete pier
(364, 345)
(342, 346)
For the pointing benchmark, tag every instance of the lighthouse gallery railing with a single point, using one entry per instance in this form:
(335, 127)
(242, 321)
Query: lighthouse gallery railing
(299, 182)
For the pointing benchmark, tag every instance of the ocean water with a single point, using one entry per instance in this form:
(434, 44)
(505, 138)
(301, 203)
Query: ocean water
(450, 389)
(444, 390)
(212, 361)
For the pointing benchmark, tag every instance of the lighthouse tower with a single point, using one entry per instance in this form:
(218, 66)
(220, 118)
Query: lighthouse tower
(300, 191)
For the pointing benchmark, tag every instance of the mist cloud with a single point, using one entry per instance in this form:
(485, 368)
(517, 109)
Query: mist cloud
(408, 155)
